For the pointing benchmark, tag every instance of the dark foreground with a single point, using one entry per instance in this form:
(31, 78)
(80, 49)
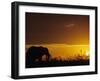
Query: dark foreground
(57, 63)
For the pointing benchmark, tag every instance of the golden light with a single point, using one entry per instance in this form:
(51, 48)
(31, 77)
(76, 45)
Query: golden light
(87, 53)
(64, 51)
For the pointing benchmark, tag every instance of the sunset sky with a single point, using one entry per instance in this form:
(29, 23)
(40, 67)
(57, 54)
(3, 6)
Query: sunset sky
(57, 29)
(65, 36)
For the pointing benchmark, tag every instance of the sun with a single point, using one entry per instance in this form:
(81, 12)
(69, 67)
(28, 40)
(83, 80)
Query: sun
(87, 53)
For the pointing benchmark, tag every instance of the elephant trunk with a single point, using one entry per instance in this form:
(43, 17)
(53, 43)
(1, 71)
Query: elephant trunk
(48, 57)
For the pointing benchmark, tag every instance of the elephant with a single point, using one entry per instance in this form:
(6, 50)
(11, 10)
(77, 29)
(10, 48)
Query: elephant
(36, 53)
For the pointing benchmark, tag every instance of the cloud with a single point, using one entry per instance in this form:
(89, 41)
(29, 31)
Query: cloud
(69, 25)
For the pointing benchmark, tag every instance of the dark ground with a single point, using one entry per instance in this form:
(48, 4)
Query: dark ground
(57, 63)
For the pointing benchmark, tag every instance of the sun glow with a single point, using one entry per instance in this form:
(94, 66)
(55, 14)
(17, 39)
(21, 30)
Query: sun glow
(65, 51)
(87, 53)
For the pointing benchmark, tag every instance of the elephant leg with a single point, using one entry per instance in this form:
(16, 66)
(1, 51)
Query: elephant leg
(29, 61)
(40, 58)
(47, 58)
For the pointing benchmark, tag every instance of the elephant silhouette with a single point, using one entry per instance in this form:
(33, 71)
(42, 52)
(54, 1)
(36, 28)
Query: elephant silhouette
(36, 53)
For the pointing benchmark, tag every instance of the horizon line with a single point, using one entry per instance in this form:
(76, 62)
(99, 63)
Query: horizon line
(60, 44)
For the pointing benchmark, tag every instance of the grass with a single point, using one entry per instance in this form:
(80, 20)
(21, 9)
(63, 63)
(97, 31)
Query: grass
(56, 63)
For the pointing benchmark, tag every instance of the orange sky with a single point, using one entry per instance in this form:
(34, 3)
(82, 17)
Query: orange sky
(63, 35)
(57, 29)
(65, 51)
